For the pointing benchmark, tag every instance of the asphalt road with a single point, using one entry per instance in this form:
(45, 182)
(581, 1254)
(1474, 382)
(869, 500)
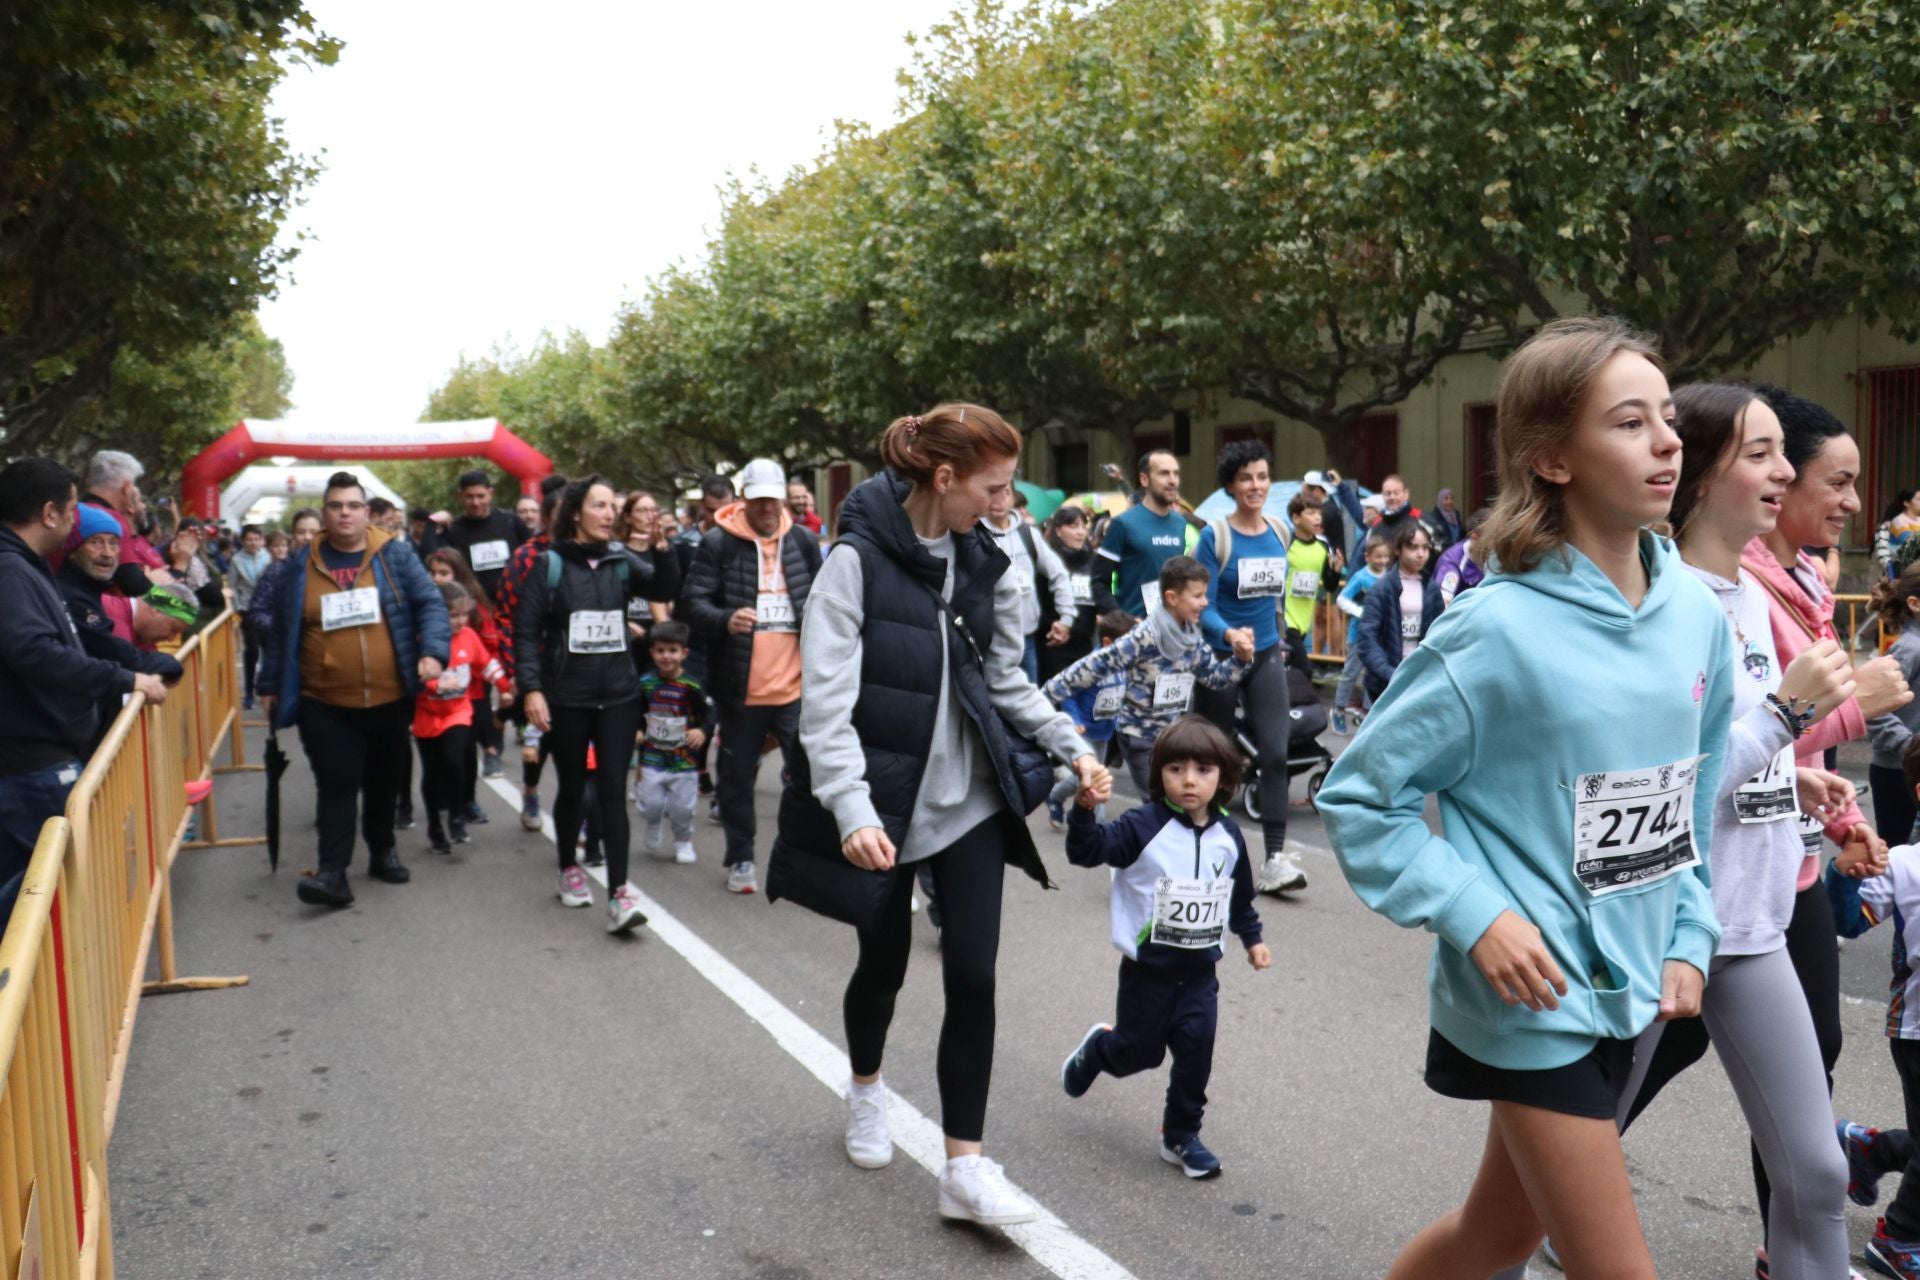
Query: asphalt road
(458, 1078)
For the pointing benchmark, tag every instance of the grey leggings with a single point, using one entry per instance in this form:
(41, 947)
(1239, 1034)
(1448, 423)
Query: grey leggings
(1263, 692)
(1759, 1024)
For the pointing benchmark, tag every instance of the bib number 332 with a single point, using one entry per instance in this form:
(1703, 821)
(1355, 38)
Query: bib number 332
(1634, 826)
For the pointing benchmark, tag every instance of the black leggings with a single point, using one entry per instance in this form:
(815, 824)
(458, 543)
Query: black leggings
(611, 730)
(1816, 961)
(1893, 806)
(967, 879)
(1263, 690)
(443, 783)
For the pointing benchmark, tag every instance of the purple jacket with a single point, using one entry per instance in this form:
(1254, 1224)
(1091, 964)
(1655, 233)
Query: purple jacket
(1456, 573)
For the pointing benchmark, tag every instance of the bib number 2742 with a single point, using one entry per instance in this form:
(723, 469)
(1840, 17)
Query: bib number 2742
(1634, 826)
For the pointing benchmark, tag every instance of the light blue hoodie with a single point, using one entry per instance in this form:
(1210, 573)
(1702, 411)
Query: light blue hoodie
(1527, 685)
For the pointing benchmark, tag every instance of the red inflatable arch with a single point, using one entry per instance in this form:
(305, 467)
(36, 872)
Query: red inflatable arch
(250, 441)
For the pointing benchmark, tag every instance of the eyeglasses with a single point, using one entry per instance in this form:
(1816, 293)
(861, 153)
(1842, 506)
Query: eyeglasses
(346, 506)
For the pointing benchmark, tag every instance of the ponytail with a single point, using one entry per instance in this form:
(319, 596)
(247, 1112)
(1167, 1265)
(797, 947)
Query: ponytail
(965, 437)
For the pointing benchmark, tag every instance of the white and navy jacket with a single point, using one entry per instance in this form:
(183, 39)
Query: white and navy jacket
(1155, 840)
(1858, 905)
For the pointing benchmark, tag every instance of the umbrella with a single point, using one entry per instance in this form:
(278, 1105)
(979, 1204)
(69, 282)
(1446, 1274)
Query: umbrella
(1041, 502)
(276, 765)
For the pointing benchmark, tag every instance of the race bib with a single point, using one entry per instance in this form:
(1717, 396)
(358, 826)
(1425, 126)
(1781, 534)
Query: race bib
(1770, 795)
(1813, 836)
(455, 681)
(597, 631)
(1262, 576)
(1107, 702)
(666, 731)
(489, 555)
(359, 607)
(1634, 826)
(1410, 625)
(1191, 914)
(637, 611)
(1305, 585)
(1173, 691)
(1082, 587)
(773, 611)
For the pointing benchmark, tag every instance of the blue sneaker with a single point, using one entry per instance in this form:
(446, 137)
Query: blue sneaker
(1863, 1176)
(1077, 1074)
(1193, 1158)
(1056, 814)
(1340, 723)
(1897, 1258)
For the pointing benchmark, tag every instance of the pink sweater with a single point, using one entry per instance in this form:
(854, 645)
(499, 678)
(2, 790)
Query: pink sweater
(1799, 621)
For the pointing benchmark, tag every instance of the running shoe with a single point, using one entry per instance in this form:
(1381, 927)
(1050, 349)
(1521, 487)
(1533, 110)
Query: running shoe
(1281, 873)
(975, 1189)
(457, 828)
(490, 765)
(388, 867)
(653, 839)
(573, 888)
(1192, 1156)
(1340, 725)
(1056, 815)
(530, 811)
(475, 814)
(623, 909)
(1897, 1258)
(1077, 1073)
(437, 835)
(869, 1138)
(741, 879)
(713, 809)
(683, 853)
(403, 816)
(1863, 1176)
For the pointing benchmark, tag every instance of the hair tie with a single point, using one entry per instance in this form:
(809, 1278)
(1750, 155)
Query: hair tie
(913, 426)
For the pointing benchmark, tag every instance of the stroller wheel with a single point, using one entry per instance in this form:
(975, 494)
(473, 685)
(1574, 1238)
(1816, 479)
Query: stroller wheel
(1250, 795)
(1314, 780)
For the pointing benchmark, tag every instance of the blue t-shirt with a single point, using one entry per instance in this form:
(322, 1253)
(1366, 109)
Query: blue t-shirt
(1226, 607)
(1141, 542)
(1356, 590)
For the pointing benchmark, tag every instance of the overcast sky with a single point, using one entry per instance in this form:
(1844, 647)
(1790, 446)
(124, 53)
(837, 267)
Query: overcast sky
(495, 169)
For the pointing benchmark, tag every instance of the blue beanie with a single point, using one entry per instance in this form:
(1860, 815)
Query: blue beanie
(95, 521)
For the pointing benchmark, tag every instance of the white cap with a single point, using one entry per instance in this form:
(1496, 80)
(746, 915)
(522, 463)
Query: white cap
(1374, 502)
(763, 478)
(1316, 479)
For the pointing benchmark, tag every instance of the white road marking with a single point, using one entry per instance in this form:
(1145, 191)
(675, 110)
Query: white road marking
(1050, 1242)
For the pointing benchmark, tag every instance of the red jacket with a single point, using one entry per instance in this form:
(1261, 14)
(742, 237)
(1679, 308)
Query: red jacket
(449, 703)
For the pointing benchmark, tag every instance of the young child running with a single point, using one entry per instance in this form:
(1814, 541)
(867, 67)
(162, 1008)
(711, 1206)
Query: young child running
(669, 782)
(443, 723)
(1161, 659)
(1181, 879)
(1858, 905)
(1349, 699)
(1566, 890)
(1093, 711)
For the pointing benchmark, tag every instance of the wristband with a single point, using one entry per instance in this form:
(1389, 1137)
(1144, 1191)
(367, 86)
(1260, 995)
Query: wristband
(1791, 714)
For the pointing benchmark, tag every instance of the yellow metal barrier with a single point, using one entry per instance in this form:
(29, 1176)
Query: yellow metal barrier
(72, 961)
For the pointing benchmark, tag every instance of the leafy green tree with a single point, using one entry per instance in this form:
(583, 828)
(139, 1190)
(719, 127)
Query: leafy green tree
(142, 185)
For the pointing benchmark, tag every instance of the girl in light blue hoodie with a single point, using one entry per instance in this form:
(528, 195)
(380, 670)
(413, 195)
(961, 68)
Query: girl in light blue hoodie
(1570, 715)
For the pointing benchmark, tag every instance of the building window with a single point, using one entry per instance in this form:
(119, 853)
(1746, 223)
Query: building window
(1374, 448)
(839, 485)
(1890, 412)
(1483, 481)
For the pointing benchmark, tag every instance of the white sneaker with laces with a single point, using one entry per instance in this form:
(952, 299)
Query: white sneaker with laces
(1281, 873)
(683, 852)
(741, 879)
(975, 1189)
(623, 909)
(573, 888)
(869, 1137)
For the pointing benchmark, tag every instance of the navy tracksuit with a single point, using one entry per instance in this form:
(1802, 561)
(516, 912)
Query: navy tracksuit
(1169, 996)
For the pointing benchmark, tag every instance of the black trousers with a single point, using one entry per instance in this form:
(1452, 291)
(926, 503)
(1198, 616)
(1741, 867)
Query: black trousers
(1893, 804)
(486, 736)
(611, 731)
(743, 730)
(252, 646)
(444, 785)
(1816, 961)
(1155, 1013)
(968, 877)
(357, 755)
(1903, 1213)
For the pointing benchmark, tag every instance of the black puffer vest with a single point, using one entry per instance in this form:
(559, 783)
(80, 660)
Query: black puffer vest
(900, 681)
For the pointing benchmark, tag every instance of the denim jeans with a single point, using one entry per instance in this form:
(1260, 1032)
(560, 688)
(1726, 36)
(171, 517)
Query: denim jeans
(27, 800)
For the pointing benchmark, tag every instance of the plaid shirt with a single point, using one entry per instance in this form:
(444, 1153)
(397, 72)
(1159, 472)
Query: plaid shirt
(507, 598)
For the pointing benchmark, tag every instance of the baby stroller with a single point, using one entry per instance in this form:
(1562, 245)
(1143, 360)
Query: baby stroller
(1304, 752)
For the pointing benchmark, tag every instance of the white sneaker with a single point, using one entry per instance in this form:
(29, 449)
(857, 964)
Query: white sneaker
(741, 879)
(683, 852)
(975, 1189)
(869, 1138)
(623, 909)
(1281, 873)
(913, 902)
(573, 888)
(652, 843)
